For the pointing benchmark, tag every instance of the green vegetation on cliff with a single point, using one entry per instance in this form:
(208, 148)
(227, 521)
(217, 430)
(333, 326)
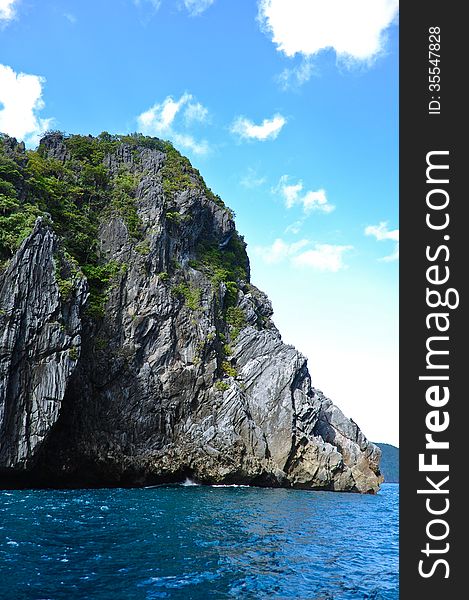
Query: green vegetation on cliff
(75, 193)
(74, 183)
(179, 175)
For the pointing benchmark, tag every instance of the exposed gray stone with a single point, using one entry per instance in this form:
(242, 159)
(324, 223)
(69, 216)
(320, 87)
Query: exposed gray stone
(143, 397)
(39, 346)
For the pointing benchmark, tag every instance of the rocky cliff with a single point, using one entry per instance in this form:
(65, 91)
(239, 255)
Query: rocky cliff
(133, 348)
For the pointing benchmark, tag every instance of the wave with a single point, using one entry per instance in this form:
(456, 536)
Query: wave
(230, 485)
(189, 483)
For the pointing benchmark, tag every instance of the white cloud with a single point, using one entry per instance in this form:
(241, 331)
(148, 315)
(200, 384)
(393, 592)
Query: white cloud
(279, 250)
(195, 113)
(252, 180)
(267, 130)
(155, 3)
(187, 141)
(324, 257)
(295, 227)
(291, 78)
(21, 100)
(321, 257)
(293, 193)
(159, 118)
(382, 233)
(7, 10)
(159, 121)
(193, 7)
(354, 29)
(71, 18)
(197, 7)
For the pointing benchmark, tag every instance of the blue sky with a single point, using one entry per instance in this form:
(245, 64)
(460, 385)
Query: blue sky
(289, 109)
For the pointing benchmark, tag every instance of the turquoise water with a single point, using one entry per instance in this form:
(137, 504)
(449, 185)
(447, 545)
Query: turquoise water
(196, 542)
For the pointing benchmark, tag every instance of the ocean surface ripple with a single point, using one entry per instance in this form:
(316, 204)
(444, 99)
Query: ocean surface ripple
(194, 542)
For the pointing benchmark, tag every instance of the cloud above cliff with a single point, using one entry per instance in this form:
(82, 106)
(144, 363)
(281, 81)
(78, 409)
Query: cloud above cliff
(171, 119)
(7, 10)
(193, 7)
(160, 117)
(381, 233)
(251, 179)
(294, 194)
(354, 29)
(269, 129)
(304, 253)
(323, 257)
(280, 250)
(71, 18)
(155, 4)
(195, 112)
(197, 7)
(296, 76)
(20, 103)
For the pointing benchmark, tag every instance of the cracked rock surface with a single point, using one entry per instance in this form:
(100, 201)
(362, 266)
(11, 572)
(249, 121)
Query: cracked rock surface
(163, 386)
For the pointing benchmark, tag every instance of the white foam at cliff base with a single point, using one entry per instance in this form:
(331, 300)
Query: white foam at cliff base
(189, 483)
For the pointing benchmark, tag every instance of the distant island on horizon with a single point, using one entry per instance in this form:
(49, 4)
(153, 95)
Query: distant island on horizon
(389, 464)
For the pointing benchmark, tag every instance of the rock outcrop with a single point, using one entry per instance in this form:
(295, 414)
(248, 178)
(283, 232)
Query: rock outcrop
(169, 366)
(40, 346)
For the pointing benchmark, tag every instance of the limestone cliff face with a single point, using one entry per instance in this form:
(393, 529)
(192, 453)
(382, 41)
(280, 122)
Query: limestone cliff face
(182, 374)
(39, 343)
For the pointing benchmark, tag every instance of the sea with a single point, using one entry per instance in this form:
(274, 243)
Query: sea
(198, 542)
